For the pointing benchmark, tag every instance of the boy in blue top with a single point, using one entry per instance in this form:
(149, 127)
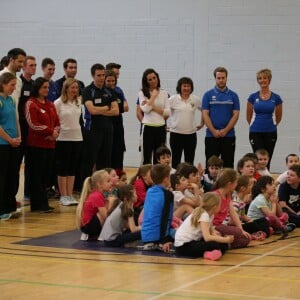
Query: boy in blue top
(220, 109)
(158, 210)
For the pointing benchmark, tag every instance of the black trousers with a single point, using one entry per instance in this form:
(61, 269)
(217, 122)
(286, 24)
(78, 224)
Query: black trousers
(221, 147)
(257, 225)
(263, 140)
(41, 165)
(197, 248)
(183, 143)
(9, 178)
(124, 238)
(96, 151)
(153, 137)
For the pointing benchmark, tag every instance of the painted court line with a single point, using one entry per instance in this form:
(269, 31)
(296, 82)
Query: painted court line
(219, 273)
(240, 295)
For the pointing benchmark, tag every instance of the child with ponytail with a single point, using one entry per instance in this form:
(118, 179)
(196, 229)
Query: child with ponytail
(196, 237)
(224, 187)
(119, 227)
(92, 208)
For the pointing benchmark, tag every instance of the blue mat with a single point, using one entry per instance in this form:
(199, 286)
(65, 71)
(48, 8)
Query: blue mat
(71, 240)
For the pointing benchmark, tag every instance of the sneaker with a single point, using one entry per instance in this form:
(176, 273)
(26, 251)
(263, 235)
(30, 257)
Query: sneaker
(5, 217)
(147, 247)
(72, 200)
(84, 236)
(289, 227)
(258, 236)
(16, 214)
(26, 201)
(65, 201)
(212, 255)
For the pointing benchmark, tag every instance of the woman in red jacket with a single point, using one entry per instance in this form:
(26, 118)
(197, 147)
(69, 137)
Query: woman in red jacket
(43, 131)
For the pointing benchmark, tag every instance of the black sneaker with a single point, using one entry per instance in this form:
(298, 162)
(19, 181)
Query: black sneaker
(289, 227)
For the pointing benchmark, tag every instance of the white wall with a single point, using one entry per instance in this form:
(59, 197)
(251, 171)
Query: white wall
(177, 38)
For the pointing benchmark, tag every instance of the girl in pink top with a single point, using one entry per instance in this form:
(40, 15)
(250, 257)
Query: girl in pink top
(92, 208)
(225, 186)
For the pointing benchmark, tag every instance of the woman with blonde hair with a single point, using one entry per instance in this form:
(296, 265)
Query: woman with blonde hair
(69, 141)
(264, 113)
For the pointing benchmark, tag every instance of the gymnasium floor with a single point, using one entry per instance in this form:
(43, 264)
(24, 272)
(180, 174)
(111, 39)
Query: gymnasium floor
(41, 257)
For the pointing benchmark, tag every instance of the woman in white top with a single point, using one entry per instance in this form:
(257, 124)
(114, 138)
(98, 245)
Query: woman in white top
(69, 141)
(182, 122)
(154, 103)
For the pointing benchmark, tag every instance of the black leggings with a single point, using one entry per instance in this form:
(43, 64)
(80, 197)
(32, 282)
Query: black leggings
(197, 248)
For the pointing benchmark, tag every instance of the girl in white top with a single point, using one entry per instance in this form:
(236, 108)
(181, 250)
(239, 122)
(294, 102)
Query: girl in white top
(154, 103)
(182, 122)
(69, 141)
(196, 237)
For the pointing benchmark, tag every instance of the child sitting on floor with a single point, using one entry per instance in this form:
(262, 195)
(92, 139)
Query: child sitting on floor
(119, 227)
(163, 156)
(141, 182)
(196, 237)
(259, 228)
(263, 160)
(265, 204)
(290, 160)
(92, 208)
(158, 210)
(214, 167)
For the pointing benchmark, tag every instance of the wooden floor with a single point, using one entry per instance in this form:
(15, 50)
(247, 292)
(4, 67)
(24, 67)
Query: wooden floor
(267, 270)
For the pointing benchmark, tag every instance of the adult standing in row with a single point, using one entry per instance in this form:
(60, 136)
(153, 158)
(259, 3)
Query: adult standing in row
(69, 141)
(154, 103)
(10, 139)
(16, 58)
(220, 109)
(98, 128)
(43, 131)
(119, 146)
(264, 113)
(29, 69)
(70, 69)
(48, 69)
(182, 122)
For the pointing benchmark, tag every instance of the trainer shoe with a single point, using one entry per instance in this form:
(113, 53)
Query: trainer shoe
(72, 200)
(259, 236)
(65, 201)
(84, 236)
(212, 255)
(5, 217)
(148, 247)
(289, 227)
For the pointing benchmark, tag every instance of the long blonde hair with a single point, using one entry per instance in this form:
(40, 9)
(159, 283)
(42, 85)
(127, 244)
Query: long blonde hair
(89, 185)
(64, 92)
(209, 200)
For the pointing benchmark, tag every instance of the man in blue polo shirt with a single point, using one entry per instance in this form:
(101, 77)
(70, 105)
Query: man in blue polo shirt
(220, 108)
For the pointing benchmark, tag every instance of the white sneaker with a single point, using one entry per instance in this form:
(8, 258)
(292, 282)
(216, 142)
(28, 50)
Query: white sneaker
(65, 201)
(72, 200)
(84, 236)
